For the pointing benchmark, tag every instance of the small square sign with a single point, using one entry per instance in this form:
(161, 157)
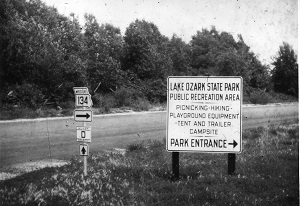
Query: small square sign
(83, 150)
(84, 133)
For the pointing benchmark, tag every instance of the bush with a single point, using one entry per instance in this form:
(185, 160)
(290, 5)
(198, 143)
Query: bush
(25, 95)
(141, 104)
(260, 97)
(124, 97)
(293, 132)
(67, 104)
(155, 90)
(135, 147)
(104, 101)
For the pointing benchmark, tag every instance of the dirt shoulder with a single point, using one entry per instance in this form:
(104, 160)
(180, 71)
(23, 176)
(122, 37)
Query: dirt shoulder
(22, 168)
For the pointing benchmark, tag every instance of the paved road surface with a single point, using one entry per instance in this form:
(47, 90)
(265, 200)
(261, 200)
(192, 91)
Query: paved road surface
(23, 141)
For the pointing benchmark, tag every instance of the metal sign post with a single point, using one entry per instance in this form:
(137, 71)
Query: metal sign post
(83, 100)
(84, 160)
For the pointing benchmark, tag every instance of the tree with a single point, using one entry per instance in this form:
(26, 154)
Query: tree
(180, 53)
(146, 57)
(285, 71)
(145, 51)
(204, 48)
(103, 49)
(219, 54)
(42, 48)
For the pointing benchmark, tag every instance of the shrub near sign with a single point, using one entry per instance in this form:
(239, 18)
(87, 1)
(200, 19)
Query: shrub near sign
(204, 114)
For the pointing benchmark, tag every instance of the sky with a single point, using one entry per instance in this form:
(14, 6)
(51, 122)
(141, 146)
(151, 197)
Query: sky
(263, 24)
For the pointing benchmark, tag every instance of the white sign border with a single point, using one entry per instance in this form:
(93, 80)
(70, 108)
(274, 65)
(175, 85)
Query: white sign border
(88, 140)
(85, 89)
(87, 149)
(241, 111)
(84, 110)
(81, 106)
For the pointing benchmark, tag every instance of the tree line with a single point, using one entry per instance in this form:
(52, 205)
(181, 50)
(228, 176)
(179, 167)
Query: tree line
(45, 54)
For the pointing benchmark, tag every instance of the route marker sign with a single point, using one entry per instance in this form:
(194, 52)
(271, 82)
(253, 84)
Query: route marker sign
(83, 100)
(204, 114)
(84, 150)
(81, 115)
(80, 90)
(84, 133)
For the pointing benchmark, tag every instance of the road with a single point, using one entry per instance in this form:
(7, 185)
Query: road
(55, 138)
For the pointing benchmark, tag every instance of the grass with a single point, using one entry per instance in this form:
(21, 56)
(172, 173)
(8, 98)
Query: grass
(267, 173)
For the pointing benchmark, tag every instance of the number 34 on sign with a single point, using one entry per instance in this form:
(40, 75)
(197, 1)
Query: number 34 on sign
(83, 100)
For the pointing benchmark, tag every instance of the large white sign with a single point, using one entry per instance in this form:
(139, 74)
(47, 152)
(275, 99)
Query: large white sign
(204, 114)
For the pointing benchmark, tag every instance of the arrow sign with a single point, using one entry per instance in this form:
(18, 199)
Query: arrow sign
(83, 150)
(86, 115)
(83, 115)
(234, 144)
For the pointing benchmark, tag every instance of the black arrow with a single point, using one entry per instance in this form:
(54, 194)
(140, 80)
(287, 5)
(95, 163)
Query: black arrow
(83, 115)
(83, 150)
(234, 144)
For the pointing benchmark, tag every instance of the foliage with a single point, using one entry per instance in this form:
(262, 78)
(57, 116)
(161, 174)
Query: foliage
(285, 72)
(267, 173)
(54, 53)
(41, 48)
(135, 147)
(260, 97)
(180, 53)
(218, 54)
(104, 101)
(103, 48)
(141, 104)
(146, 56)
(122, 97)
(145, 52)
(25, 95)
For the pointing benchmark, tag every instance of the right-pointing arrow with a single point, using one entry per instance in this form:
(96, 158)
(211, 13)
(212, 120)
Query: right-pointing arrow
(86, 115)
(234, 143)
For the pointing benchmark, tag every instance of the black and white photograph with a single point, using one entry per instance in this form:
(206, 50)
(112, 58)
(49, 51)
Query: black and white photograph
(149, 102)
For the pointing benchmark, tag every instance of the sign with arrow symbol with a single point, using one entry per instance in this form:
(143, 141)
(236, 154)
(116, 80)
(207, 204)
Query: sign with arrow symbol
(234, 144)
(204, 114)
(83, 150)
(83, 115)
